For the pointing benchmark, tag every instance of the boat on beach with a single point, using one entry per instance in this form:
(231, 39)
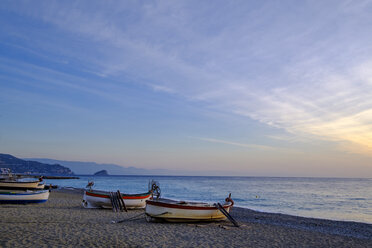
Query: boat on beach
(185, 211)
(21, 185)
(23, 196)
(102, 199)
(41, 185)
(9, 181)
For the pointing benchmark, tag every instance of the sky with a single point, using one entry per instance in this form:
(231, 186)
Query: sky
(248, 88)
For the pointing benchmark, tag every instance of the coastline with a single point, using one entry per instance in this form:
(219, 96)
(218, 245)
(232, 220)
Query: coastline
(62, 221)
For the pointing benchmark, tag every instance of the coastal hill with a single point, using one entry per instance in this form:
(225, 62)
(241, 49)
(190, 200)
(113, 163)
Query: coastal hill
(17, 165)
(89, 168)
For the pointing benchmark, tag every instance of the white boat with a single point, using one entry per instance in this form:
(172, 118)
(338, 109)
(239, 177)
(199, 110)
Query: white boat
(101, 199)
(41, 185)
(12, 182)
(183, 211)
(15, 184)
(23, 196)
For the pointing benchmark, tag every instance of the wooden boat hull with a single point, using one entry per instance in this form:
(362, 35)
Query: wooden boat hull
(101, 199)
(41, 185)
(180, 211)
(19, 185)
(23, 197)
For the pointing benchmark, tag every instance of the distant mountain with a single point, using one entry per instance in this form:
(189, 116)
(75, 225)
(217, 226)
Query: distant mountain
(89, 168)
(17, 165)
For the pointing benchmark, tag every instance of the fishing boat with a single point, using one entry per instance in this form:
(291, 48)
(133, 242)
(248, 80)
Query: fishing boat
(23, 196)
(102, 199)
(9, 181)
(41, 185)
(21, 185)
(185, 211)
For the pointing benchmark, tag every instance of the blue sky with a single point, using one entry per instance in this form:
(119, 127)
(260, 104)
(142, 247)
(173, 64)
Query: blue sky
(256, 88)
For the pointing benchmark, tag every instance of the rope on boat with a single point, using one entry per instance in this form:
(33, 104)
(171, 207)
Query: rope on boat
(154, 218)
(136, 217)
(154, 187)
(131, 218)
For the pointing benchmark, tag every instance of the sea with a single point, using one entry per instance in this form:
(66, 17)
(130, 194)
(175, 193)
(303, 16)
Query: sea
(345, 199)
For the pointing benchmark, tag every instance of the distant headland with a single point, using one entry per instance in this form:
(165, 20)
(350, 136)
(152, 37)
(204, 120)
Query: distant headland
(21, 166)
(101, 173)
(90, 168)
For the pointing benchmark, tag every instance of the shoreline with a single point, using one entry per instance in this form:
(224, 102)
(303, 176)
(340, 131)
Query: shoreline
(344, 228)
(306, 217)
(81, 190)
(63, 222)
(353, 229)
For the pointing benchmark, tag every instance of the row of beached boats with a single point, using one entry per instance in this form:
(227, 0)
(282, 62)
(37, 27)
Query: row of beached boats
(17, 191)
(157, 208)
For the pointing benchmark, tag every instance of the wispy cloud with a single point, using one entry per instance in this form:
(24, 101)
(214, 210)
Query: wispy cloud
(46, 78)
(162, 88)
(251, 146)
(306, 71)
(338, 109)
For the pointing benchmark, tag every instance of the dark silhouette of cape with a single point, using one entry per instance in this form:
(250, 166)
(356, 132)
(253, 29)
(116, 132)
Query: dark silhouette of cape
(17, 165)
(101, 173)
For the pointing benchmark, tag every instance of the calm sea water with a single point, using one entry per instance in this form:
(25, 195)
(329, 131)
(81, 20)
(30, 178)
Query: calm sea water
(327, 198)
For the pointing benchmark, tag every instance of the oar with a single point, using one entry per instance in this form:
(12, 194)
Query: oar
(122, 201)
(219, 206)
(118, 202)
(113, 203)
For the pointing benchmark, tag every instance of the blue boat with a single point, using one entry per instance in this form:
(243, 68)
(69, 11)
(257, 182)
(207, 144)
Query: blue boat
(23, 197)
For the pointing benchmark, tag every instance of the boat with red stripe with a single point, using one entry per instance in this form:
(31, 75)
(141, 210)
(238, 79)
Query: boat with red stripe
(102, 199)
(186, 211)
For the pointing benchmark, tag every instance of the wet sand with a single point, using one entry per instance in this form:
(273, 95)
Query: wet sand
(63, 222)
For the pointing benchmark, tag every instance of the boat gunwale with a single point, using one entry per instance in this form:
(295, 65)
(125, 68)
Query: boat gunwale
(182, 206)
(19, 182)
(22, 201)
(24, 193)
(103, 194)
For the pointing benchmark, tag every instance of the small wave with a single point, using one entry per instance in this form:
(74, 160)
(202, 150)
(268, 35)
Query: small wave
(304, 208)
(357, 199)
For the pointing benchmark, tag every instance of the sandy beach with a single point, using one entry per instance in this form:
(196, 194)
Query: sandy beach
(63, 222)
